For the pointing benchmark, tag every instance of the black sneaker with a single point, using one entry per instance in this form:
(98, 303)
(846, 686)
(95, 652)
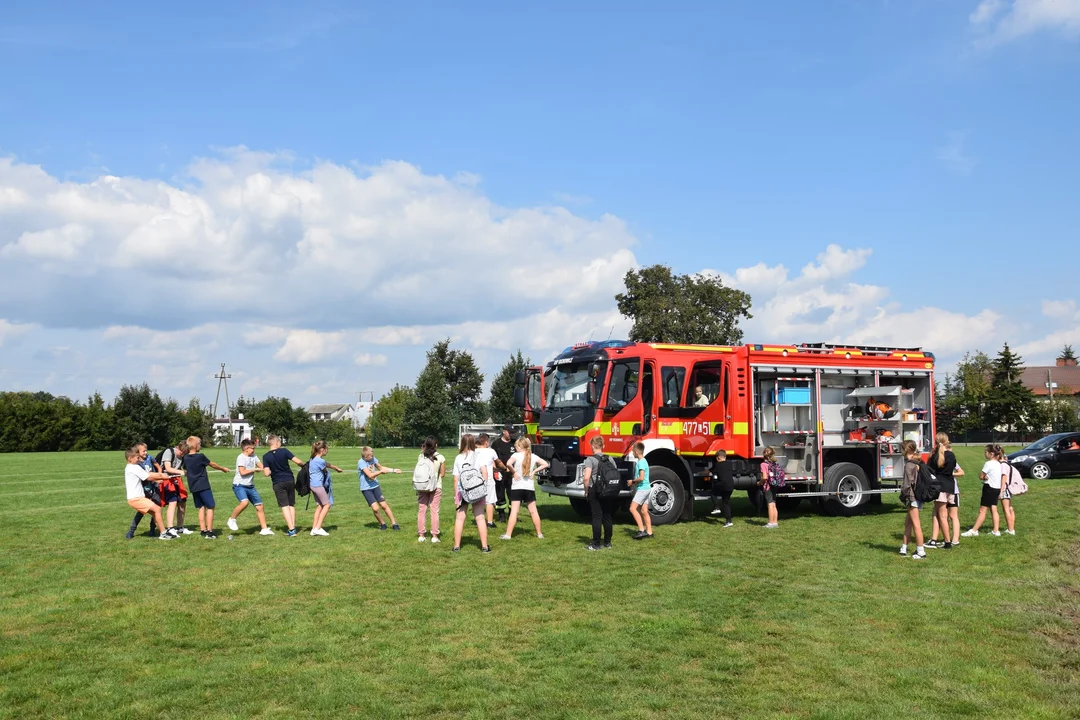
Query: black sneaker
(648, 536)
(396, 526)
(640, 534)
(502, 515)
(154, 534)
(129, 534)
(947, 546)
(210, 535)
(606, 546)
(485, 549)
(491, 524)
(202, 533)
(383, 526)
(592, 547)
(455, 549)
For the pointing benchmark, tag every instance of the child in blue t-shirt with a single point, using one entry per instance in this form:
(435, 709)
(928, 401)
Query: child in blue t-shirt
(319, 474)
(639, 506)
(369, 470)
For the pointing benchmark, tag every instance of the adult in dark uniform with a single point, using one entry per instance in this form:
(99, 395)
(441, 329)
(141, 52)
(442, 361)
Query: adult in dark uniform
(504, 448)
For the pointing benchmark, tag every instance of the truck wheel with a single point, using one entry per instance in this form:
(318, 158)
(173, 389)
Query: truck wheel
(849, 481)
(667, 496)
(581, 507)
(757, 500)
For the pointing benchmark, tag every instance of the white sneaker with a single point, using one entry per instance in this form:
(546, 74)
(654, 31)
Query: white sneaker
(1010, 532)
(231, 522)
(421, 539)
(434, 539)
(919, 556)
(322, 533)
(717, 511)
(729, 524)
(772, 526)
(504, 537)
(165, 536)
(903, 549)
(185, 531)
(539, 536)
(970, 533)
(266, 531)
(995, 533)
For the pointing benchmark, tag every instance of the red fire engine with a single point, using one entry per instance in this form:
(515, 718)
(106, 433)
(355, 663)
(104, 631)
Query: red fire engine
(835, 416)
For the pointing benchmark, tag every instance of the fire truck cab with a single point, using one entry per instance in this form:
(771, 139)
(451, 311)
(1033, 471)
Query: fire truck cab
(835, 416)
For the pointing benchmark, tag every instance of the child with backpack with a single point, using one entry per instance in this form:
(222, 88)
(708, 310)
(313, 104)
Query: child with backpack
(319, 479)
(470, 488)
(134, 477)
(602, 482)
(369, 469)
(427, 481)
(772, 477)
(243, 486)
(524, 466)
(943, 462)
(1010, 479)
(639, 505)
(992, 492)
(909, 498)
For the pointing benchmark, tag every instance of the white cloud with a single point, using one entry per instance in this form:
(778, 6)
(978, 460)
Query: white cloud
(310, 346)
(996, 22)
(10, 330)
(954, 155)
(1060, 309)
(369, 359)
(259, 241)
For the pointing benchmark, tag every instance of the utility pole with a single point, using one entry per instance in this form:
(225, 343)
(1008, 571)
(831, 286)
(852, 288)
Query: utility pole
(1050, 384)
(223, 382)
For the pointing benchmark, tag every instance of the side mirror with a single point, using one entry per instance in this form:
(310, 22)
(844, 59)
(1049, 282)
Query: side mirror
(519, 397)
(594, 394)
(519, 377)
(594, 370)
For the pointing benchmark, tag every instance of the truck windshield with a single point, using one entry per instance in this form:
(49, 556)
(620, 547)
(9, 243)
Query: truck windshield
(567, 386)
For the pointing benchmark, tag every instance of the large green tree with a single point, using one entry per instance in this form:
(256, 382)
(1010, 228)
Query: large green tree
(1008, 402)
(501, 403)
(387, 425)
(429, 410)
(464, 381)
(97, 425)
(666, 307)
(141, 416)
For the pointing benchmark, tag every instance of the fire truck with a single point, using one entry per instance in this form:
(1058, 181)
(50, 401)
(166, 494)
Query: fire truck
(835, 416)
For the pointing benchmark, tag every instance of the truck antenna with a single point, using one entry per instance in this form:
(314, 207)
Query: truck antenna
(610, 331)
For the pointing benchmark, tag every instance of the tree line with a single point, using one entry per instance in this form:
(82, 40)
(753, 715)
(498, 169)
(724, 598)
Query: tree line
(986, 395)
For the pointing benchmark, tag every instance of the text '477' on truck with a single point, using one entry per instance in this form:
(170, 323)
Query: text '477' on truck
(835, 416)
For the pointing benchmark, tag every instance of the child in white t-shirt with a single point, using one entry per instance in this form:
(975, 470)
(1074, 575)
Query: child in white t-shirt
(992, 491)
(134, 476)
(524, 465)
(485, 461)
(243, 486)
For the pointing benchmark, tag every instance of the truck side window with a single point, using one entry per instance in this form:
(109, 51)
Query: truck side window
(706, 375)
(672, 380)
(624, 383)
(532, 389)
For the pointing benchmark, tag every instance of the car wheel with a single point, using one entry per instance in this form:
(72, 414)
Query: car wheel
(581, 507)
(849, 482)
(1040, 471)
(666, 497)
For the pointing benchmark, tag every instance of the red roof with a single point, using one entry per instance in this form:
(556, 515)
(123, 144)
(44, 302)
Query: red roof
(1067, 379)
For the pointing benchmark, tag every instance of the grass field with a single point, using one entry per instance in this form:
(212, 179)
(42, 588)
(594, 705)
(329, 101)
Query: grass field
(820, 619)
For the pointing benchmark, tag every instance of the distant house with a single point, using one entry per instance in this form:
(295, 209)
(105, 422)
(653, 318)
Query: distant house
(1063, 379)
(331, 411)
(241, 428)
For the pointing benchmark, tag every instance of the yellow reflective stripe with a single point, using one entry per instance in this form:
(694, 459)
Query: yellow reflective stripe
(670, 428)
(741, 428)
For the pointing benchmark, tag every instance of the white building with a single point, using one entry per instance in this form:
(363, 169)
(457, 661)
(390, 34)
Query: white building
(241, 428)
(332, 412)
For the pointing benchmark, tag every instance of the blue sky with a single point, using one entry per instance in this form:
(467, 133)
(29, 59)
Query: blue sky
(315, 194)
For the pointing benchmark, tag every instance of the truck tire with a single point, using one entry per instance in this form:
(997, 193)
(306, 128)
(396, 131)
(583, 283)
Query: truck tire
(757, 500)
(668, 496)
(787, 502)
(581, 507)
(849, 480)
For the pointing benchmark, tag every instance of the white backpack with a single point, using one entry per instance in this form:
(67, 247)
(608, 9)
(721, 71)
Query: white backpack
(425, 476)
(1015, 485)
(471, 481)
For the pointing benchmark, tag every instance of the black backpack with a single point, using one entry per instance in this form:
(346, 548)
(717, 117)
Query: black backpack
(607, 480)
(158, 458)
(927, 485)
(303, 481)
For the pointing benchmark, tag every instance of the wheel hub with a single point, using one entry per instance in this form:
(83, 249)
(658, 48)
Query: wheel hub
(848, 491)
(661, 500)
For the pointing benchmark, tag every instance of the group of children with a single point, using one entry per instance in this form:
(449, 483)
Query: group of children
(997, 475)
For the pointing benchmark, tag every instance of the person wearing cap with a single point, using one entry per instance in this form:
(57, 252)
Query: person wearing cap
(504, 450)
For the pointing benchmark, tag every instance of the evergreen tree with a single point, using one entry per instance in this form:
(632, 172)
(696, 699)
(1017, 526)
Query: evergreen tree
(1067, 353)
(429, 410)
(502, 392)
(387, 425)
(1008, 401)
(464, 381)
(666, 307)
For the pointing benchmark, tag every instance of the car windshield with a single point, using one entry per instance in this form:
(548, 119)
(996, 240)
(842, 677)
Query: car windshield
(1046, 442)
(567, 386)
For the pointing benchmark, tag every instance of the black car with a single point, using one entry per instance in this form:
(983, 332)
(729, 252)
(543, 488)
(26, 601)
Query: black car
(1053, 456)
